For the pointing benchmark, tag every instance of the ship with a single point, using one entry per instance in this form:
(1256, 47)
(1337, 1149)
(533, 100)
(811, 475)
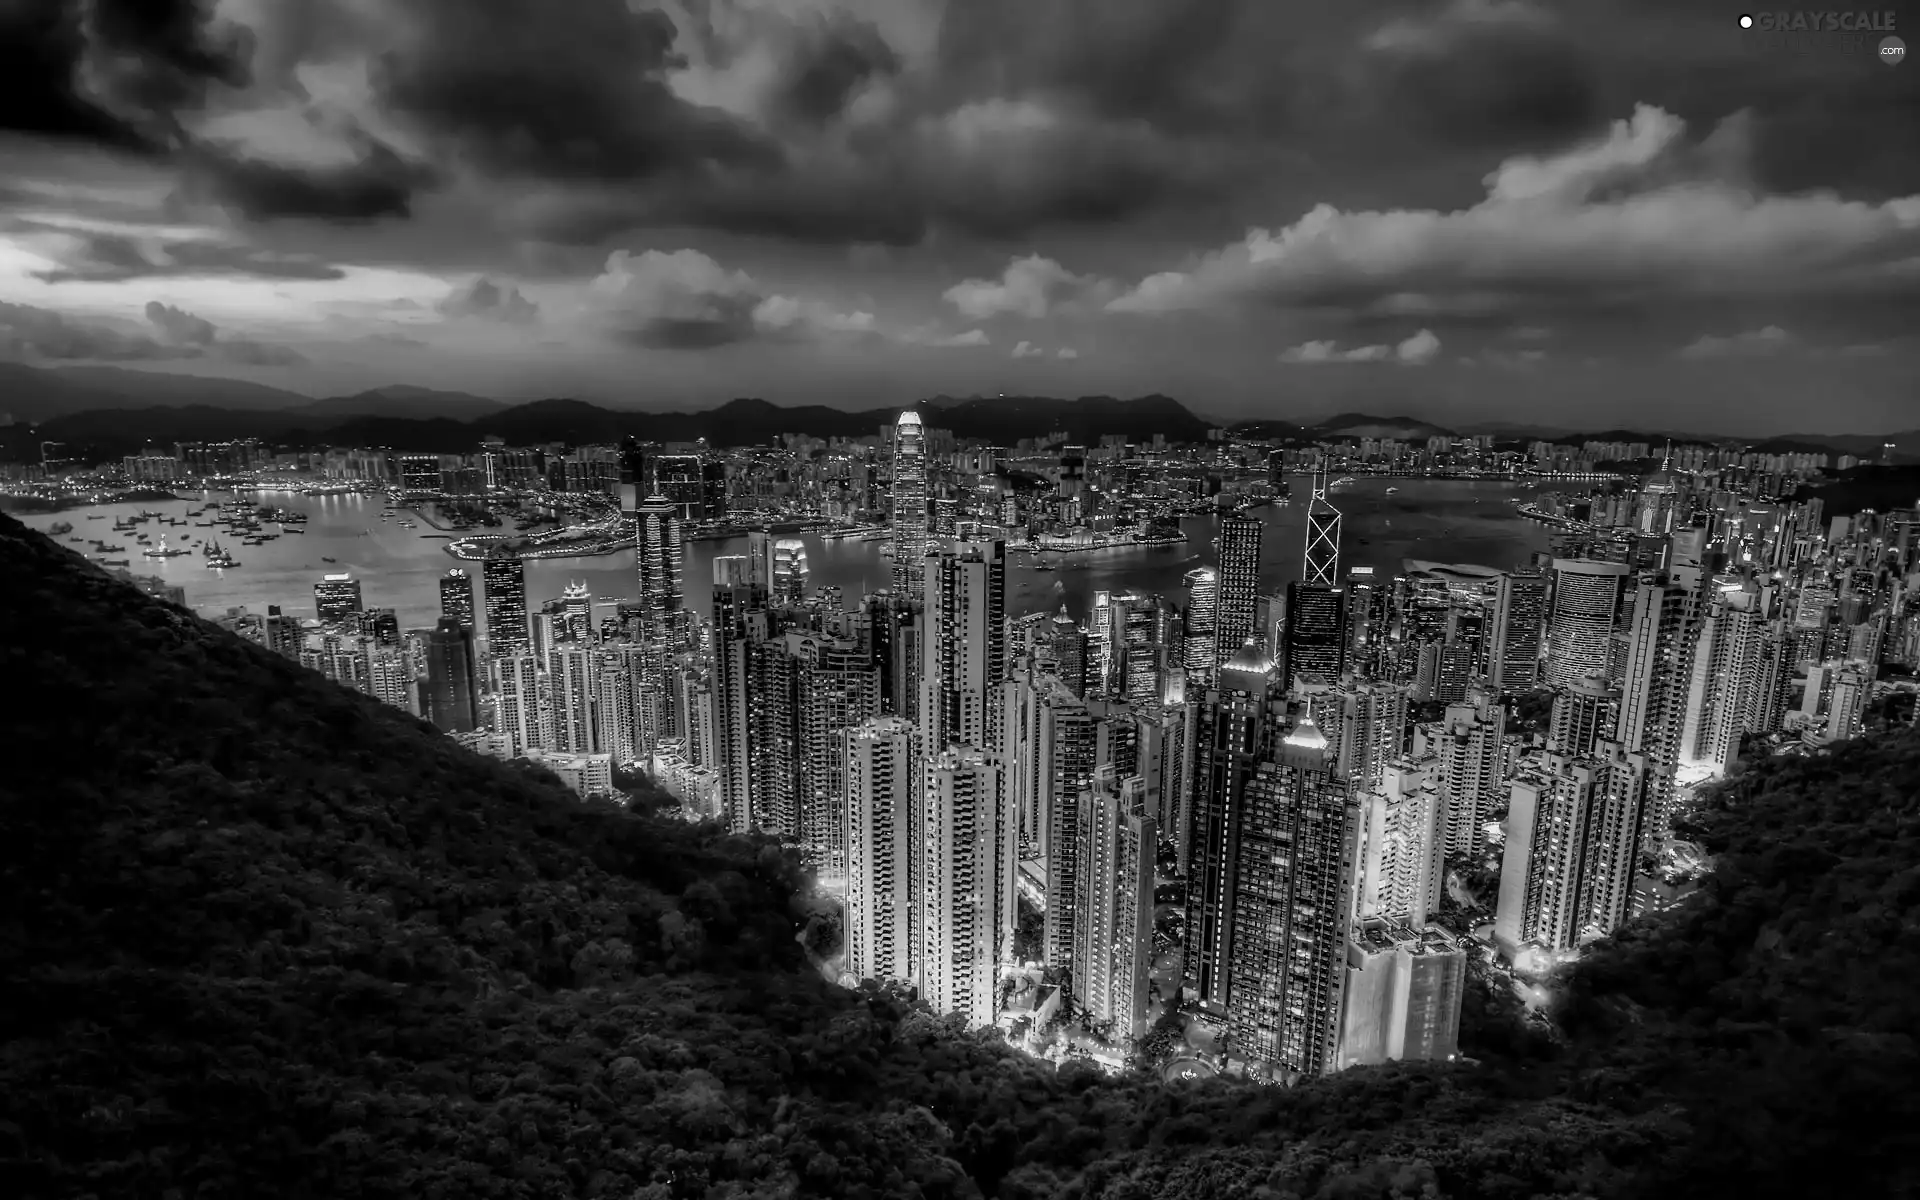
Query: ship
(60, 527)
(163, 550)
(1392, 491)
(329, 560)
(220, 561)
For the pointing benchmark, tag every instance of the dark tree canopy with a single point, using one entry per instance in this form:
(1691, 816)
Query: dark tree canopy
(262, 936)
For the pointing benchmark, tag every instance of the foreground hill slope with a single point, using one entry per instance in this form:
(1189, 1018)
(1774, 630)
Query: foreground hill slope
(261, 936)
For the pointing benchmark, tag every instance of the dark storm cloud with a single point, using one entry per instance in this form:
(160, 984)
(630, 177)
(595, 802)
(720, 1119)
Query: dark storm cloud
(29, 332)
(485, 299)
(90, 256)
(564, 92)
(379, 184)
(179, 326)
(196, 335)
(1511, 84)
(113, 72)
(827, 65)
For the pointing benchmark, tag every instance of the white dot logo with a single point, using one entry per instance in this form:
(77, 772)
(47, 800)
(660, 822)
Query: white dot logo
(1893, 51)
(1746, 22)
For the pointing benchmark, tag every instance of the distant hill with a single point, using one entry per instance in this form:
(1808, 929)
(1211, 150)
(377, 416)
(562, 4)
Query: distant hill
(403, 401)
(36, 394)
(264, 936)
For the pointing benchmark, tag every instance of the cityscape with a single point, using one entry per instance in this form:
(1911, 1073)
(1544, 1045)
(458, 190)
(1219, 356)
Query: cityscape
(959, 600)
(1218, 829)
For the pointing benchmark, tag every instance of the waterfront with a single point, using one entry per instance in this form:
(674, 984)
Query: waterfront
(1440, 520)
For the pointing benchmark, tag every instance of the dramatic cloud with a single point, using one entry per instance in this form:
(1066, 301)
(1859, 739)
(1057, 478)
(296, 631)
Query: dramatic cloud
(1637, 212)
(1029, 287)
(180, 327)
(29, 332)
(1417, 350)
(1770, 340)
(99, 256)
(483, 298)
(1028, 350)
(684, 300)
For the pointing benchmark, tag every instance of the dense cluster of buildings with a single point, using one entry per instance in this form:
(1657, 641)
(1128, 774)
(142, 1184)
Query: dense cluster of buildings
(1306, 764)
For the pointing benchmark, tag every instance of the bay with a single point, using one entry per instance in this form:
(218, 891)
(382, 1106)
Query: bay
(1439, 520)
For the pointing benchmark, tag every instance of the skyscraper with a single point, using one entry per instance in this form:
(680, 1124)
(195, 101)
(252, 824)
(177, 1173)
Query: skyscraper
(790, 575)
(1469, 743)
(1232, 732)
(503, 581)
(456, 597)
(1315, 642)
(451, 698)
(1580, 622)
(1239, 584)
(1113, 903)
(1519, 617)
(883, 798)
(967, 884)
(910, 512)
(1661, 635)
(964, 648)
(336, 598)
(1293, 866)
(1322, 565)
(659, 554)
(1203, 596)
(735, 602)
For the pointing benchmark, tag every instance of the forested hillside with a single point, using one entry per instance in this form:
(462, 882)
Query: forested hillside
(261, 937)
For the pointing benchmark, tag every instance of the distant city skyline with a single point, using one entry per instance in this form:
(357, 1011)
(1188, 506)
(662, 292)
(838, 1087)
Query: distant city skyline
(1483, 210)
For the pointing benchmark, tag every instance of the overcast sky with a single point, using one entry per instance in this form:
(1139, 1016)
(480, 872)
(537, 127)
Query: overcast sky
(1580, 214)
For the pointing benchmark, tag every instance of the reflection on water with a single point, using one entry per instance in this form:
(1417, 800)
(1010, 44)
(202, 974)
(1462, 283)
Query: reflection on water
(1438, 520)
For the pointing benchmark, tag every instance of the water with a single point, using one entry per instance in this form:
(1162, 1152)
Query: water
(1441, 520)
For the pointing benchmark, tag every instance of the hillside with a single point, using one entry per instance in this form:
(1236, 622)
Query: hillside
(262, 936)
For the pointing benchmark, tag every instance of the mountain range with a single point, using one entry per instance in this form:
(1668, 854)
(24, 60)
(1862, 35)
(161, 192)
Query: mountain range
(104, 412)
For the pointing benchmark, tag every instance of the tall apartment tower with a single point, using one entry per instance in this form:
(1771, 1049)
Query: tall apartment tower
(967, 884)
(1469, 742)
(910, 512)
(1584, 713)
(1519, 618)
(1233, 731)
(1661, 637)
(1239, 584)
(736, 604)
(1314, 645)
(503, 582)
(882, 807)
(963, 650)
(1293, 865)
(1581, 618)
(1113, 903)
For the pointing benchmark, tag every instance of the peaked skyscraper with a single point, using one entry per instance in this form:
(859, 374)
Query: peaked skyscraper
(1322, 566)
(910, 517)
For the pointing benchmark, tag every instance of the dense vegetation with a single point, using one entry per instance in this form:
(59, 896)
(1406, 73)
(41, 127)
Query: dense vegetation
(262, 937)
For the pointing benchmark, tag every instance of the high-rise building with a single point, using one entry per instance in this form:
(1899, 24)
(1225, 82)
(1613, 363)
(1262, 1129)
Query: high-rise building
(503, 583)
(1203, 595)
(1115, 846)
(660, 559)
(967, 884)
(336, 598)
(737, 603)
(1293, 862)
(1404, 986)
(882, 806)
(456, 597)
(911, 515)
(575, 689)
(1069, 643)
(1322, 563)
(1519, 618)
(574, 615)
(452, 699)
(520, 702)
(1401, 866)
(1050, 756)
(1469, 743)
(963, 651)
(1233, 725)
(1661, 635)
(1584, 713)
(1239, 584)
(790, 575)
(1581, 617)
(1314, 645)
(1573, 834)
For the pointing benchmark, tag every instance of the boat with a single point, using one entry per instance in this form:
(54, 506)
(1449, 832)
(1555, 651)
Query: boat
(294, 529)
(1392, 491)
(60, 527)
(76, 538)
(113, 562)
(325, 559)
(97, 517)
(163, 550)
(221, 560)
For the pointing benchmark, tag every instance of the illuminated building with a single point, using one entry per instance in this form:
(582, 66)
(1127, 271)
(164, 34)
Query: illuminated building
(1519, 618)
(503, 584)
(1580, 621)
(910, 506)
(883, 794)
(336, 598)
(1239, 584)
(451, 697)
(1115, 844)
(967, 884)
(456, 597)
